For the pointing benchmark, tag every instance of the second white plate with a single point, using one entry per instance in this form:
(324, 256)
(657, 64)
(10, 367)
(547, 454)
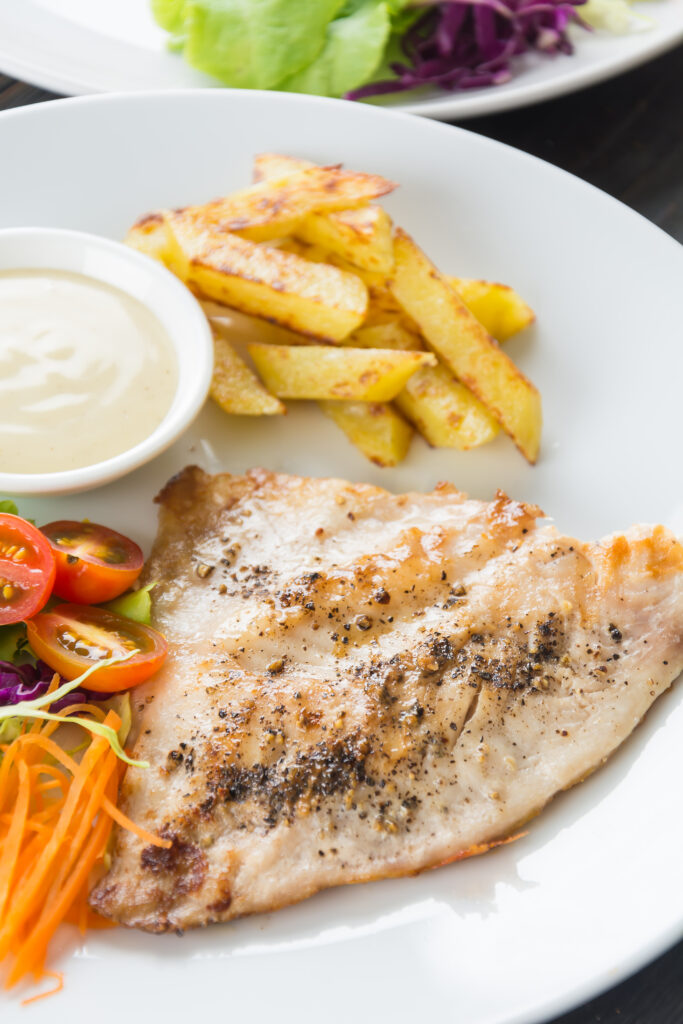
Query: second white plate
(76, 47)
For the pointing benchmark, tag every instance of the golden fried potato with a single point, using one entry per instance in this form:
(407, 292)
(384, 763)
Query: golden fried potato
(276, 165)
(312, 298)
(362, 236)
(391, 334)
(465, 346)
(445, 412)
(148, 235)
(496, 306)
(274, 207)
(235, 387)
(377, 430)
(319, 371)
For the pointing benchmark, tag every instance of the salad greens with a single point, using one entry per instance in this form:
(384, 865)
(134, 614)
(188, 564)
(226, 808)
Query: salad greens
(352, 53)
(322, 46)
(360, 48)
(250, 45)
(135, 605)
(12, 715)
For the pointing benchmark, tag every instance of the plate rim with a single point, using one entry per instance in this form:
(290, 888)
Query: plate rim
(606, 978)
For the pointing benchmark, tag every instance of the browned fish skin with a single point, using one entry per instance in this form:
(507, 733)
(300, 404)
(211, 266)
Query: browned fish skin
(363, 685)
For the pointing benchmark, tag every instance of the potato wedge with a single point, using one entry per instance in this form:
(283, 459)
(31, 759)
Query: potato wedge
(148, 235)
(361, 236)
(444, 411)
(272, 208)
(496, 306)
(319, 371)
(312, 298)
(465, 346)
(235, 387)
(392, 334)
(378, 431)
(277, 165)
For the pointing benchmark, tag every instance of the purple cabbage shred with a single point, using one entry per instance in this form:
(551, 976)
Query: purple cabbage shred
(459, 45)
(27, 682)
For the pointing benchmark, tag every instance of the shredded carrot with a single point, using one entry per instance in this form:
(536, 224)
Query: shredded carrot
(56, 817)
(125, 822)
(59, 979)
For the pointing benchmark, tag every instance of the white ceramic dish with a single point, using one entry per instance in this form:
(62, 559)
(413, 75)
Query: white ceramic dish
(35, 248)
(594, 890)
(76, 46)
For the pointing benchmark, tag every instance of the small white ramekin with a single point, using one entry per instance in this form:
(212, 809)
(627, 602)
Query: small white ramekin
(164, 295)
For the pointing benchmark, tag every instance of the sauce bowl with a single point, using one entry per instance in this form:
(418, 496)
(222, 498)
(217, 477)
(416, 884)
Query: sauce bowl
(173, 305)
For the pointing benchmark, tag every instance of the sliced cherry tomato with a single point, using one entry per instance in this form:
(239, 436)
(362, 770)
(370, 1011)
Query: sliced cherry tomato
(94, 564)
(71, 637)
(27, 569)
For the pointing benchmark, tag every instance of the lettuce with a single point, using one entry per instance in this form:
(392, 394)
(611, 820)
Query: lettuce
(249, 44)
(15, 713)
(352, 53)
(135, 605)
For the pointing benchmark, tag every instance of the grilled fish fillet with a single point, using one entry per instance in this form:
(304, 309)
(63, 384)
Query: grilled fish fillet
(362, 685)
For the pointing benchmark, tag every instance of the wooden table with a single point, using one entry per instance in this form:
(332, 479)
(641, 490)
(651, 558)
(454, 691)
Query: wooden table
(626, 137)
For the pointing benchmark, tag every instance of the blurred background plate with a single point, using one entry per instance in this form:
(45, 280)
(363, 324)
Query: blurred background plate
(81, 46)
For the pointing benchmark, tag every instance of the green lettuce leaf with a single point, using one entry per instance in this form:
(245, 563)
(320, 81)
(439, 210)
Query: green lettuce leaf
(36, 709)
(170, 14)
(249, 44)
(351, 55)
(136, 605)
(12, 640)
(7, 505)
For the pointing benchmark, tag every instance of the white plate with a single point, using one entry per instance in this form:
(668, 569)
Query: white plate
(594, 890)
(81, 46)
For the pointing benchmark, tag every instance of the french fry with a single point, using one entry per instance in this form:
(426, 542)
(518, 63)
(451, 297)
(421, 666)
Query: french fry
(496, 306)
(322, 372)
(377, 430)
(361, 236)
(392, 334)
(312, 298)
(148, 235)
(465, 346)
(444, 411)
(235, 388)
(276, 165)
(273, 207)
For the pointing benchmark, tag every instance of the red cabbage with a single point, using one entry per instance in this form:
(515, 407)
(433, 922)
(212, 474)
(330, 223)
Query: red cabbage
(465, 45)
(26, 682)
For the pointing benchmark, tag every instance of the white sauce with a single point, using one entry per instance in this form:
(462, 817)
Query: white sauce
(86, 371)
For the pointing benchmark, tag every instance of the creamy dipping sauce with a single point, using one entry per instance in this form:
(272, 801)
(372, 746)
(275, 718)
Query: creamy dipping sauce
(86, 371)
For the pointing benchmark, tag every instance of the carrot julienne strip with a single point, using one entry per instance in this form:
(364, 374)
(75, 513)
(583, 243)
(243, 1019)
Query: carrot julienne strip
(121, 819)
(59, 978)
(12, 843)
(56, 817)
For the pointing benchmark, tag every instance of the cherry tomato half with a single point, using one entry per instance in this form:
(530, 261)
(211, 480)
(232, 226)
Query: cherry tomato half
(71, 637)
(27, 569)
(94, 564)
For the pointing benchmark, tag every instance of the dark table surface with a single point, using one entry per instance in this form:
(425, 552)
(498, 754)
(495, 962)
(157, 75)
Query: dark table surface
(626, 137)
